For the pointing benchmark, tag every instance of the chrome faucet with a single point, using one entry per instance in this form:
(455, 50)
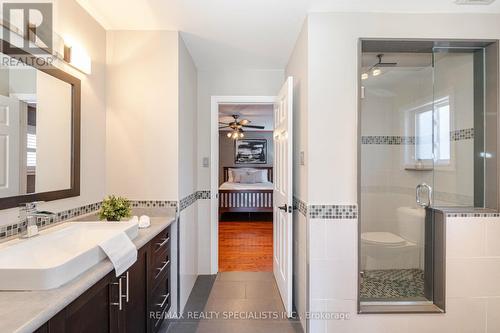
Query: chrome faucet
(29, 214)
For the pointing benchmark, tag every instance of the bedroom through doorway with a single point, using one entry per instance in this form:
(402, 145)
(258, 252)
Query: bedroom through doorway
(245, 167)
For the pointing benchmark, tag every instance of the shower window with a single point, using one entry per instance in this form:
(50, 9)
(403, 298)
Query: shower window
(433, 118)
(424, 146)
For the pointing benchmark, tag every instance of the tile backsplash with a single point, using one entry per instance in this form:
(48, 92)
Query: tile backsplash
(14, 229)
(10, 230)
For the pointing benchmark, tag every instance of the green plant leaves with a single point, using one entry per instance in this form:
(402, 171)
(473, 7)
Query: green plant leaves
(114, 208)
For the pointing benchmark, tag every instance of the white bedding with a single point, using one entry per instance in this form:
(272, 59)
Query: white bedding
(241, 186)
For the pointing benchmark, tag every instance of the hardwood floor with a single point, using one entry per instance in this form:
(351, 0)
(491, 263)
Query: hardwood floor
(246, 246)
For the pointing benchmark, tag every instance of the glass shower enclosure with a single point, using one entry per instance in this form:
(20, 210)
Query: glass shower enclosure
(422, 148)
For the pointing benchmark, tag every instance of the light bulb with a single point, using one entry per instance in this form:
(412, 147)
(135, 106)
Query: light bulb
(241, 135)
(364, 76)
(235, 135)
(229, 134)
(376, 72)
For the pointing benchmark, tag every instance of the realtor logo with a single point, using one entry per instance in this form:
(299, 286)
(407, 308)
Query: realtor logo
(28, 26)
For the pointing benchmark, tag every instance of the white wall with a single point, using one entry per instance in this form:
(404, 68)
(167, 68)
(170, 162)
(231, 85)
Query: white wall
(188, 80)
(333, 100)
(298, 68)
(187, 172)
(74, 21)
(223, 83)
(142, 114)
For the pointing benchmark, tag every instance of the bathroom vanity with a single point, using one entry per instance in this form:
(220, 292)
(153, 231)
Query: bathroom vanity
(97, 300)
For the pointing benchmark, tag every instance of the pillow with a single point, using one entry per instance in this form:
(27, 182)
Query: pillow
(260, 175)
(235, 175)
(248, 178)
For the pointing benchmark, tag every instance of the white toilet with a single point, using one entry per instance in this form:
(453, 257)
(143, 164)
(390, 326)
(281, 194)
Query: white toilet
(404, 250)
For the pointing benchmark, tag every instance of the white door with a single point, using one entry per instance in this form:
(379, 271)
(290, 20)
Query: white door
(282, 236)
(9, 146)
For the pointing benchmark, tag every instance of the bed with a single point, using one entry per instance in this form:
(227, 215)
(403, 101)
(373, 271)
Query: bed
(239, 197)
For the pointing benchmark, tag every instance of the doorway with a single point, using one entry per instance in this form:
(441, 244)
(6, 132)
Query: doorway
(278, 198)
(245, 204)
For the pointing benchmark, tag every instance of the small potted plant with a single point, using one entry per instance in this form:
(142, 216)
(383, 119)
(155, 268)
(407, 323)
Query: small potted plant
(114, 208)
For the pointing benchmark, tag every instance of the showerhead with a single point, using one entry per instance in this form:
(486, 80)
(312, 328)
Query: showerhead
(380, 63)
(376, 68)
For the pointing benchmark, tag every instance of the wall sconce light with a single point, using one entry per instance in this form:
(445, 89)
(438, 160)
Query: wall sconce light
(76, 56)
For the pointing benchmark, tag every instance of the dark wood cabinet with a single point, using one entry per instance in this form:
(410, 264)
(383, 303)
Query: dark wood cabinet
(123, 304)
(159, 276)
(134, 313)
(91, 312)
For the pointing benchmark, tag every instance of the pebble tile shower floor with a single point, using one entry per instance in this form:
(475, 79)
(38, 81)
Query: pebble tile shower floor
(392, 284)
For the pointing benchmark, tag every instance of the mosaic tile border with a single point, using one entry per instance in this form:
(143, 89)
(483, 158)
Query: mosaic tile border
(188, 201)
(334, 212)
(456, 135)
(462, 134)
(16, 228)
(153, 204)
(387, 140)
(203, 195)
(480, 215)
(193, 197)
(300, 206)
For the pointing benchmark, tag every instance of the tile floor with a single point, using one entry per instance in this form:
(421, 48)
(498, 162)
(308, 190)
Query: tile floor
(253, 296)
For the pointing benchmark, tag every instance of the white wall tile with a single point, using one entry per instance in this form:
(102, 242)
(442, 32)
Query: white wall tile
(318, 238)
(341, 239)
(493, 315)
(316, 324)
(333, 279)
(463, 315)
(465, 238)
(204, 236)
(473, 277)
(188, 252)
(493, 237)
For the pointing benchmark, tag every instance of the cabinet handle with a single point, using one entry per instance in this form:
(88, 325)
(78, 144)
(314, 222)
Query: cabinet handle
(127, 286)
(120, 304)
(163, 241)
(165, 264)
(164, 300)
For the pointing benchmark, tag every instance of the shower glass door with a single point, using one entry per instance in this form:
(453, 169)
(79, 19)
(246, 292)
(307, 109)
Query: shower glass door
(400, 122)
(428, 125)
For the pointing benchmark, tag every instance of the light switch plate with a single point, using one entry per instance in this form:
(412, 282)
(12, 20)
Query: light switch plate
(206, 162)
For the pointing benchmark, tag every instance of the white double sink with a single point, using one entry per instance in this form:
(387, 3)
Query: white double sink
(57, 255)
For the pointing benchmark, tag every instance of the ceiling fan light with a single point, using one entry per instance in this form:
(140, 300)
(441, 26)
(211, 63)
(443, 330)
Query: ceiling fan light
(364, 76)
(376, 72)
(229, 134)
(242, 135)
(235, 135)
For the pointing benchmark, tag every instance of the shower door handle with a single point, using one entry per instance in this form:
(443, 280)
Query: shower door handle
(418, 196)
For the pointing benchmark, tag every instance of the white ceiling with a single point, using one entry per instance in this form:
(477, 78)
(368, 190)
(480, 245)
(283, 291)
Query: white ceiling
(261, 115)
(257, 34)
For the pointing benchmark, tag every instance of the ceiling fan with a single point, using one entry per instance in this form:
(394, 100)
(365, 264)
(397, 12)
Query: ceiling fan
(237, 127)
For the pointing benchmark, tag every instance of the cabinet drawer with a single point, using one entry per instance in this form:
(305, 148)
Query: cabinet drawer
(160, 266)
(160, 301)
(161, 242)
(160, 257)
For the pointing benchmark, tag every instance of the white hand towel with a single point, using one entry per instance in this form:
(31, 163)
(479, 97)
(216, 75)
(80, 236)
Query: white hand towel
(121, 251)
(144, 221)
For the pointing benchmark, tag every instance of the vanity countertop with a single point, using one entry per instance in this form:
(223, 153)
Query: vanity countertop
(25, 311)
